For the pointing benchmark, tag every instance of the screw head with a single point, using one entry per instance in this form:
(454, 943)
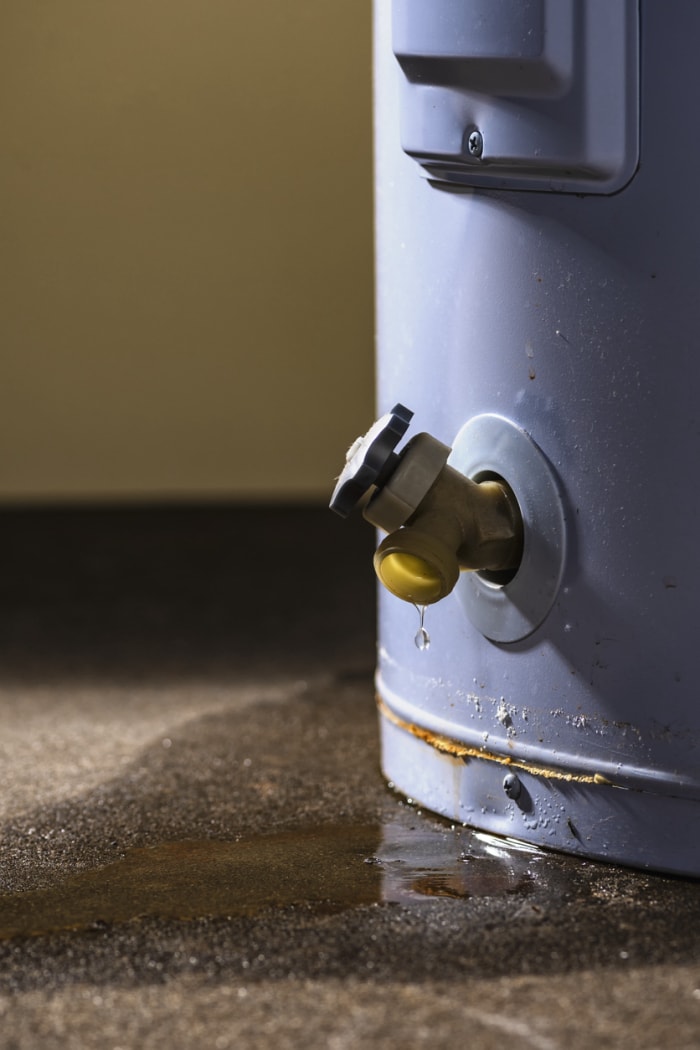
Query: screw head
(475, 143)
(512, 786)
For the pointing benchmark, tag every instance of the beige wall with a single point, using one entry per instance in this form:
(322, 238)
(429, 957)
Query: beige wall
(185, 246)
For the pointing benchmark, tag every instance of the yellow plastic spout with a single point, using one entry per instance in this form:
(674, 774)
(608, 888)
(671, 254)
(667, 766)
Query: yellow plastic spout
(416, 566)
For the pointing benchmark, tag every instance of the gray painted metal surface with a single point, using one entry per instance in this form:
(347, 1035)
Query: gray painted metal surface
(575, 318)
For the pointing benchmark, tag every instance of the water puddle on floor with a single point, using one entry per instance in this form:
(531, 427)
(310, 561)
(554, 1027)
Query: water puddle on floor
(325, 869)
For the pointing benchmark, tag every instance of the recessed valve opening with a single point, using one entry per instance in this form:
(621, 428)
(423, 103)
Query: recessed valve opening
(491, 446)
(498, 577)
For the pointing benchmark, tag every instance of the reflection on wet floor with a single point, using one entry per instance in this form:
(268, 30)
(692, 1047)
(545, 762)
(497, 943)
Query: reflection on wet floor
(327, 869)
(428, 860)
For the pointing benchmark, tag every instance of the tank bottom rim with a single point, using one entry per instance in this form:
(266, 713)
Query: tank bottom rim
(592, 819)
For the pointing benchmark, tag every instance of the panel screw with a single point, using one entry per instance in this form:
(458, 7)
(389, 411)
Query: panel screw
(475, 143)
(512, 786)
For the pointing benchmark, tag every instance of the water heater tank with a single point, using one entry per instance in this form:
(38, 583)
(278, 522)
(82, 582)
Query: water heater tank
(537, 259)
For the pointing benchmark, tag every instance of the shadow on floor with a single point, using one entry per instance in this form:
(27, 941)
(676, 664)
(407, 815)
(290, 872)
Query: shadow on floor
(127, 593)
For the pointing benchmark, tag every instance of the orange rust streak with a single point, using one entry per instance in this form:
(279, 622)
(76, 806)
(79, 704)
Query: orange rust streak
(448, 746)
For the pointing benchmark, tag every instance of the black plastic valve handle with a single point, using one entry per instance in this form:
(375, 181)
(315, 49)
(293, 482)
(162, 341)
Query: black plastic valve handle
(370, 460)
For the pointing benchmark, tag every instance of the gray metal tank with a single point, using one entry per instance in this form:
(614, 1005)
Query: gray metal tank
(538, 250)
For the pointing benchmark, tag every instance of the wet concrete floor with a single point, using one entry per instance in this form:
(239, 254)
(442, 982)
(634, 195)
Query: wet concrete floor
(197, 844)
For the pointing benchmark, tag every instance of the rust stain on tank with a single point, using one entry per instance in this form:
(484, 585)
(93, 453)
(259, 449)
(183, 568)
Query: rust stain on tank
(446, 745)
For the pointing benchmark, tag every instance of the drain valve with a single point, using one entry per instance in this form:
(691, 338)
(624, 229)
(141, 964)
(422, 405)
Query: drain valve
(439, 522)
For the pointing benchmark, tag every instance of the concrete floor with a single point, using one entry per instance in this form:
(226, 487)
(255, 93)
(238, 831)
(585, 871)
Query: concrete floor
(198, 847)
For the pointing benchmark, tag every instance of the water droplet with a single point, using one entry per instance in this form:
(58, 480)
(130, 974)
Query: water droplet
(422, 638)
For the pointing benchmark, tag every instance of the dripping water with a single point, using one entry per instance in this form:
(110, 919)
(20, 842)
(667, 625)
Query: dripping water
(422, 638)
